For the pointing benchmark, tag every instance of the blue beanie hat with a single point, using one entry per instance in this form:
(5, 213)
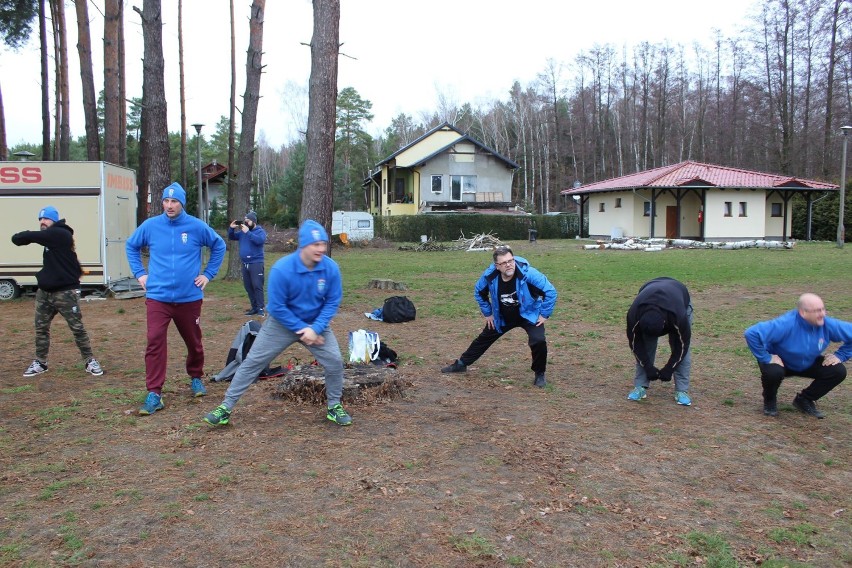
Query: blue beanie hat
(175, 191)
(49, 212)
(311, 232)
(252, 216)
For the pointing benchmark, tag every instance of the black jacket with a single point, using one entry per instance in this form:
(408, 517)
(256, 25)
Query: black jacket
(61, 269)
(671, 298)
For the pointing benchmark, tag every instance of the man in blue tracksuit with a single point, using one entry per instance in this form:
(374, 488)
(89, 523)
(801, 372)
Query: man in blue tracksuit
(251, 237)
(511, 294)
(305, 290)
(793, 344)
(174, 284)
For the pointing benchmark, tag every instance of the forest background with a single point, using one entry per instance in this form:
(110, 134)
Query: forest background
(770, 98)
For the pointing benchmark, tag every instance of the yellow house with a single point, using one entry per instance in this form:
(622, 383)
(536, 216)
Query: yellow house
(692, 200)
(443, 170)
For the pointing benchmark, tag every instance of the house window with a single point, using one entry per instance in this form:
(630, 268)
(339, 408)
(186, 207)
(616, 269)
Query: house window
(776, 210)
(601, 207)
(399, 190)
(743, 209)
(617, 202)
(437, 184)
(646, 211)
(729, 211)
(461, 184)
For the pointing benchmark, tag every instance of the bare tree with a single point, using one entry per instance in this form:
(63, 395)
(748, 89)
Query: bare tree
(155, 129)
(251, 99)
(122, 90)
(112, 90)
(318, 190)
(234, 271)
(182, 102)
(834, 25)
(90, 111)
(45, 82)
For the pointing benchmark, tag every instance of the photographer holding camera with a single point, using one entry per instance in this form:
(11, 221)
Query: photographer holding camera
(252, 238)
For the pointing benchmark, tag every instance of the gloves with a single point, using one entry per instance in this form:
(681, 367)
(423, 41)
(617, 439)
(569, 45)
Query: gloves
(653, 374)
(666, 375)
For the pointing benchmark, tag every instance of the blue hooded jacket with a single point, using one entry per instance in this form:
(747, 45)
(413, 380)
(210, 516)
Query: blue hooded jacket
(175, 256)
(797, 341)
(536, 294)
(301, 297)
(251, 243)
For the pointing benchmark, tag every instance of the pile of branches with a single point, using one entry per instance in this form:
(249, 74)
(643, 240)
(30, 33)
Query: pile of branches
(478, 242)
(428, 246)
(363, 383)
(658, 244)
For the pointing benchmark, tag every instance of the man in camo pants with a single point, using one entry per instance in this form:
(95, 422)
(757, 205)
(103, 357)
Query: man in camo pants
(58, 281)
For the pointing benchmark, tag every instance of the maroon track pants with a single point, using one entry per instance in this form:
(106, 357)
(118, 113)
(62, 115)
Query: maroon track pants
(187, 318)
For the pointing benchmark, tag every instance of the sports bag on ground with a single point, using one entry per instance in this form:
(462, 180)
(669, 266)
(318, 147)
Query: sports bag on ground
(398, 309)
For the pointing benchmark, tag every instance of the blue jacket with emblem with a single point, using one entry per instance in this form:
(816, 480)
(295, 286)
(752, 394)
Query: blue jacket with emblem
(251, 243)
(536, 295)
(175, 256)
(300, 297)
(797, 341)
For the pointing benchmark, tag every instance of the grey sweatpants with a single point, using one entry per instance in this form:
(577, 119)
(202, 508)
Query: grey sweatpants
(681, 374)
(272, 339)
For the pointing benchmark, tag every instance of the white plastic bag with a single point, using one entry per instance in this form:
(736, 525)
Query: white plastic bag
(363, 346)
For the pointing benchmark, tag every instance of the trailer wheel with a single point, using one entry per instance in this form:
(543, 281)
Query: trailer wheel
(9, 290)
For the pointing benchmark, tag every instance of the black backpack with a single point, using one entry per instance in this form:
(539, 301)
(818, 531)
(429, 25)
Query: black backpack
(398, 309)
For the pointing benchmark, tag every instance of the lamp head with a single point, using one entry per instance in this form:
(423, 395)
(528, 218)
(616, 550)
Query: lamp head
(846, 129)
(197, 128)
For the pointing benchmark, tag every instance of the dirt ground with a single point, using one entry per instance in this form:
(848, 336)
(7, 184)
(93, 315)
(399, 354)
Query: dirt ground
(479, 469)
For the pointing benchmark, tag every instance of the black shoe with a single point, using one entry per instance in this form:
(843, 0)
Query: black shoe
(807, 406)
(250, 312)
(770, 407)
(540, 381)
(456, 367)
(261, 313)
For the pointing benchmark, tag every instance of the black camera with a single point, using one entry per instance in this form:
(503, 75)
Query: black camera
(238, 223)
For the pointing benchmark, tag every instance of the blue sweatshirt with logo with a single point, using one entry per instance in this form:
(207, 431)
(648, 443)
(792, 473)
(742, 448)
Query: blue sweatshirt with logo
(175, 256)
(251, 243)
(796, 341)
(300, 297)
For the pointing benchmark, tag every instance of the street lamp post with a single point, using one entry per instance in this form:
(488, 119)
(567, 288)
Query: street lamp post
(198, 165)
(841, 231)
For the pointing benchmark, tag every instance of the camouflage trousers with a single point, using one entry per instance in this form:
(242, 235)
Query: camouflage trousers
(47, 305)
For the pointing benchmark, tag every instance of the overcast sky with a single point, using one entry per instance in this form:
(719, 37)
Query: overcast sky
(399, 54)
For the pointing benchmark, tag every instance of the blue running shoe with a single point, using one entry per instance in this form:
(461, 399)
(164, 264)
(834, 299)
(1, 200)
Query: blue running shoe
(197, 387)
(637, 394)
(339, 416)
(682, 398)
(153, 403)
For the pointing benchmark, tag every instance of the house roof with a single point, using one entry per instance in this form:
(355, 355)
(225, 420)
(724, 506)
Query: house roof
(450, 137)
(696, 174)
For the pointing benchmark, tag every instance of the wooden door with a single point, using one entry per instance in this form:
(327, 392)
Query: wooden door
(671, 222)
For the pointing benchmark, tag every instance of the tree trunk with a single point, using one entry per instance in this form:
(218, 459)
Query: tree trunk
(4, 150)
(63, 106)
(154, 100)
(112, 91)
(90, 111)
(183, 180)
(254, 68)
(829, 89)
(322, 107)
(234, 272)
(122, 91)
(45, 84)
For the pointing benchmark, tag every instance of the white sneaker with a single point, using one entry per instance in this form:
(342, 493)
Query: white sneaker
(94, 367)
(36, 368)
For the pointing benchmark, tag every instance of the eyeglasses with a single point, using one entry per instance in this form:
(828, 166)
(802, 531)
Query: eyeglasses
(509, 262)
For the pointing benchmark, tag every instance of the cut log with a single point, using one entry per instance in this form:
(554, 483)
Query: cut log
(367, 382)
(382, 284)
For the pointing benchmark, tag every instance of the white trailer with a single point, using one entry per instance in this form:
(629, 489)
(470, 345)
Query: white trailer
(357, 225)
(97, 200)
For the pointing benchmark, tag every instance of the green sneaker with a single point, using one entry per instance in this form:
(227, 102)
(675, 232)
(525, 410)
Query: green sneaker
(219, 417)
(153, 403)
(339, 416)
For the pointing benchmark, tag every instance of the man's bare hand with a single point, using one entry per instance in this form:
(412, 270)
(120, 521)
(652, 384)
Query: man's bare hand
(830, 360)
(309, 337)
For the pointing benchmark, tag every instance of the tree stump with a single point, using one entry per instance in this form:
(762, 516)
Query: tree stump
(382, 284)
(366, 382)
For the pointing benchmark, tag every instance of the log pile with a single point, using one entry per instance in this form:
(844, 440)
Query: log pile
(652, 245)
(479, 242)
(363, 383)
(428, 246)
